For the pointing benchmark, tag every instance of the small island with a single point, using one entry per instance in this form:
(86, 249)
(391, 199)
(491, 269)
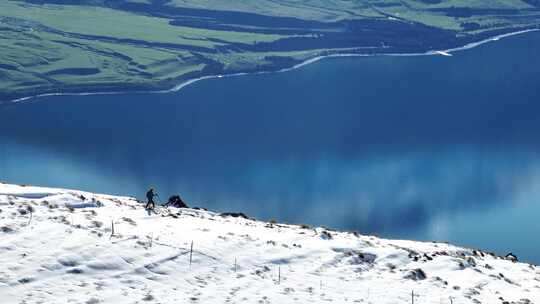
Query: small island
(66, 46)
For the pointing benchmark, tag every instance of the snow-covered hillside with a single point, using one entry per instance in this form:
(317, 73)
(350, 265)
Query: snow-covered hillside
(57, 246)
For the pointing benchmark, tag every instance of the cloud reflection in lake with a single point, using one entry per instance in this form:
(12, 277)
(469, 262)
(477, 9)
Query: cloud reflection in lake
(415, 147)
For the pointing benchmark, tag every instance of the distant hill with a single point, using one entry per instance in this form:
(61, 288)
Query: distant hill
(50, 46)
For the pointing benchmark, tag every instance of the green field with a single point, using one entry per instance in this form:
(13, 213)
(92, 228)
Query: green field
(101, 45)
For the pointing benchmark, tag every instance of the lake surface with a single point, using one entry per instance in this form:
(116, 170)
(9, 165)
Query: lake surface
(429, 147)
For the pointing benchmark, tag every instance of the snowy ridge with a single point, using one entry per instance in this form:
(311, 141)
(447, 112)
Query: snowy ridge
(57, 246)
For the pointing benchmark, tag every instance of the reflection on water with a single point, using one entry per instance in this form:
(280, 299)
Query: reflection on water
(425, 148)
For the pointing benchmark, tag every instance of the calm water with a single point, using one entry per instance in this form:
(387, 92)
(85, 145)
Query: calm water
(431, 148)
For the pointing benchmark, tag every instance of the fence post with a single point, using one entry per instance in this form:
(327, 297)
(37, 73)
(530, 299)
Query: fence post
(279, 274)
(234, 264)
(112, 229)
(412, 297)
(30, 219)
(190, 254)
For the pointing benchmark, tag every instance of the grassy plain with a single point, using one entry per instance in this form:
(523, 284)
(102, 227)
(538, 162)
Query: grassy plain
(96, 45)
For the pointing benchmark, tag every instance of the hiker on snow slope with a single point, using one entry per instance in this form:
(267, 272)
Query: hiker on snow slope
(150, 197)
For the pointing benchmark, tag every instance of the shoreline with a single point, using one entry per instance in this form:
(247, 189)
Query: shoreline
(309, 61)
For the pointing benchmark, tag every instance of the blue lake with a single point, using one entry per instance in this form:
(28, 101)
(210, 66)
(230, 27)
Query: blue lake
(427, 148)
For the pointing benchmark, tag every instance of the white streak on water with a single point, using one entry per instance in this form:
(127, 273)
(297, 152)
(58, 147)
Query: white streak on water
(443, 53)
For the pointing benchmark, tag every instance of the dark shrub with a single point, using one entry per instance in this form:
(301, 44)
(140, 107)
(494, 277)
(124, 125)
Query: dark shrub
(176, 201)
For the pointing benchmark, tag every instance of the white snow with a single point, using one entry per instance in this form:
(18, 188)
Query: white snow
(56, 246)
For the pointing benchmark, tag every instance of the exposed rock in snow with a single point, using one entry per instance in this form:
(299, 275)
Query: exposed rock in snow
(64, 246)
